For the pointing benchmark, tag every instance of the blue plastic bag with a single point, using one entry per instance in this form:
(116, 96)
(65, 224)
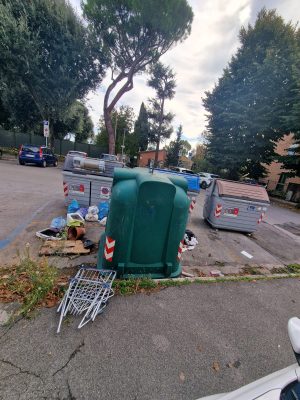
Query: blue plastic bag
(58, 223)
(103, 210)
(73, 206)
(83, 211)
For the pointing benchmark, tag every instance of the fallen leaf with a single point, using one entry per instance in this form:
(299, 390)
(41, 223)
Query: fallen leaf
(216, 366)
(182, 377)
(199, 348)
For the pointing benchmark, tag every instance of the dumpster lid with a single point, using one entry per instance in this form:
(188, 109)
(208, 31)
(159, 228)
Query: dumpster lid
(242, 190)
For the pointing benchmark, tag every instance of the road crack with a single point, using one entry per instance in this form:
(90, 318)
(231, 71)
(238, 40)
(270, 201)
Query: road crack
(21, 371)
(72, 355)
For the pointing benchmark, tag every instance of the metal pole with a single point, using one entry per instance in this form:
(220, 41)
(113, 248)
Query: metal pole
(123, 144)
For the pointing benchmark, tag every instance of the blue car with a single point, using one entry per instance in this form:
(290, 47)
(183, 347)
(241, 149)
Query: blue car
(39, 155)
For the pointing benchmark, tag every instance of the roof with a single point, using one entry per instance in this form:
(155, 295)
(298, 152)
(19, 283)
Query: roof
(242, 190)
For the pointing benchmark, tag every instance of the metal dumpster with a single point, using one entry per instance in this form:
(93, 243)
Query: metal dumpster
(234, 205)
(145, 225)
(88, 180)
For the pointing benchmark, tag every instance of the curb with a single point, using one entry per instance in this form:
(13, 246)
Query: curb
(208, 279)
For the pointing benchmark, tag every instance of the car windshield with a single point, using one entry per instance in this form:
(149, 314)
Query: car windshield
(31, 149)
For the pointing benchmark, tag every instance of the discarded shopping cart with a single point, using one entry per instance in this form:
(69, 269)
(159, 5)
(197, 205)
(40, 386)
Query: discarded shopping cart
(88, 293)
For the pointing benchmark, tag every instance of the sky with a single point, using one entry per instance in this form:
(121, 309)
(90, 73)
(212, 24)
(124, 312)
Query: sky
(199, 61)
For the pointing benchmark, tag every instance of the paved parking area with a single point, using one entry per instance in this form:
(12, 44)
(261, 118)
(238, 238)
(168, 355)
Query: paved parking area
(31, 196)
(162, 346)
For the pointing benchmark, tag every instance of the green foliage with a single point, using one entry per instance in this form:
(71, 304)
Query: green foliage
(174, 149)
(248, 106)
(76, 120)
(135, 34)
(47, 59)
(142, 129)
(162, 80)
(123, 122)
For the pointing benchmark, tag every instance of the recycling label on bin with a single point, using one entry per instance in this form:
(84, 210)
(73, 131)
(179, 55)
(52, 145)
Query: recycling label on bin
(231, 212)
(77, 189)
(105, 192)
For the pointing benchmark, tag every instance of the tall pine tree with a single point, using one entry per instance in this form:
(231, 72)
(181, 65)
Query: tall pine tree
(247, 106)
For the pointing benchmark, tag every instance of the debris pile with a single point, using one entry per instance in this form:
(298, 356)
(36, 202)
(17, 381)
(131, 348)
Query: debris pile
(66, 236)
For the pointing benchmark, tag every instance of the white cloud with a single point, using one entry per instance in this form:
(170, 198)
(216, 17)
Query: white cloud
(199, 61)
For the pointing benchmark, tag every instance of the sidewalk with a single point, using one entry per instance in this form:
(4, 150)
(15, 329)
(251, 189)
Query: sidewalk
(153, 347)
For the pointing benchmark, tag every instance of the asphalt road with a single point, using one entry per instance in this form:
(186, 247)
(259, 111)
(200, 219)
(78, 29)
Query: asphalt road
(31, 196)
(177, 344)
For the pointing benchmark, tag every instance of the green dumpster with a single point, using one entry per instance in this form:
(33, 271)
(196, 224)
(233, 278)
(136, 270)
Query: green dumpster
(145, 226)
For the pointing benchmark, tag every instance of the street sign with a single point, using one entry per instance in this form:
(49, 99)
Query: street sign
(46, 129)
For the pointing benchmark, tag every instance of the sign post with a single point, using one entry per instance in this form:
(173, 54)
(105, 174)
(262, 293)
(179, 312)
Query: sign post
(46, 131)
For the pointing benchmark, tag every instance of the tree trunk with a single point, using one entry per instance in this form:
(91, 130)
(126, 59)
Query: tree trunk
(159, 131)
(157, 151)
(51, 134)
(110, 131)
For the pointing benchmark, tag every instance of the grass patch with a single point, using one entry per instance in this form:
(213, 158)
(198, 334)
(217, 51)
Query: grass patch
(293, 268)
(31, 283)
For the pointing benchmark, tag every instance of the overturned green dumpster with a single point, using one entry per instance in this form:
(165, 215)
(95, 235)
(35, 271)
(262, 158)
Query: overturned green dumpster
(145, 226)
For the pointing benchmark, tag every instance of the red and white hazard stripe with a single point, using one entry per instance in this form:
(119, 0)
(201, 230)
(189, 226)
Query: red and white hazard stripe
(261, 217)
(109, 248)
(218, 210)
(179, 254)
(192, 205)
(66, 189)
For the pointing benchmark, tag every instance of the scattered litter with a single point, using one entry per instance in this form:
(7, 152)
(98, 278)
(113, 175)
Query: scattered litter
(246, 254)
(91, 217)
(93, 210)
(184, 273)
(190, 239)
(83, 211)
(216, 273)
(74, 219)
(103, 221)
(75, 232)
(88, 244)
(216, 366)
(88, 293)
(48, 234)
(92, 214)
(63, 247)
(103, 209)
(58, 223)
(73, 206)
(181, 377)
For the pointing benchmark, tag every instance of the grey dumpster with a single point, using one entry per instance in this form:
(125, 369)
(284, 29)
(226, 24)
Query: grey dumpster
(88, 180)
(234, 205)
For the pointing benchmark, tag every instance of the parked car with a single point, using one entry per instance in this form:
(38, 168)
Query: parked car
(206, 179)
(75, 153)
(182, 170)
(281, 385)
(39, 155)
(108, 157)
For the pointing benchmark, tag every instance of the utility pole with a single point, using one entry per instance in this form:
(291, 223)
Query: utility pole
(123, 146)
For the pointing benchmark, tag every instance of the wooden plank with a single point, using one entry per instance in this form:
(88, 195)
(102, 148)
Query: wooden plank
(63, 247)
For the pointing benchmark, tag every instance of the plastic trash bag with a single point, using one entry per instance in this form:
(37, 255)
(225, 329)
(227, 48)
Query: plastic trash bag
(93, 210)
(83, 211)
(58, 223)
(73, 206)
(103, 210)
(75, 219)
(91, 217)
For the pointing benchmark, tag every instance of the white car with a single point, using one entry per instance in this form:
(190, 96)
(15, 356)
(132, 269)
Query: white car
(281, 385)
(206, 178)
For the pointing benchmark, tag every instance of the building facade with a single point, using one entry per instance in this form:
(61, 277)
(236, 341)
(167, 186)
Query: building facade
(146, 156)
(277, 179)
